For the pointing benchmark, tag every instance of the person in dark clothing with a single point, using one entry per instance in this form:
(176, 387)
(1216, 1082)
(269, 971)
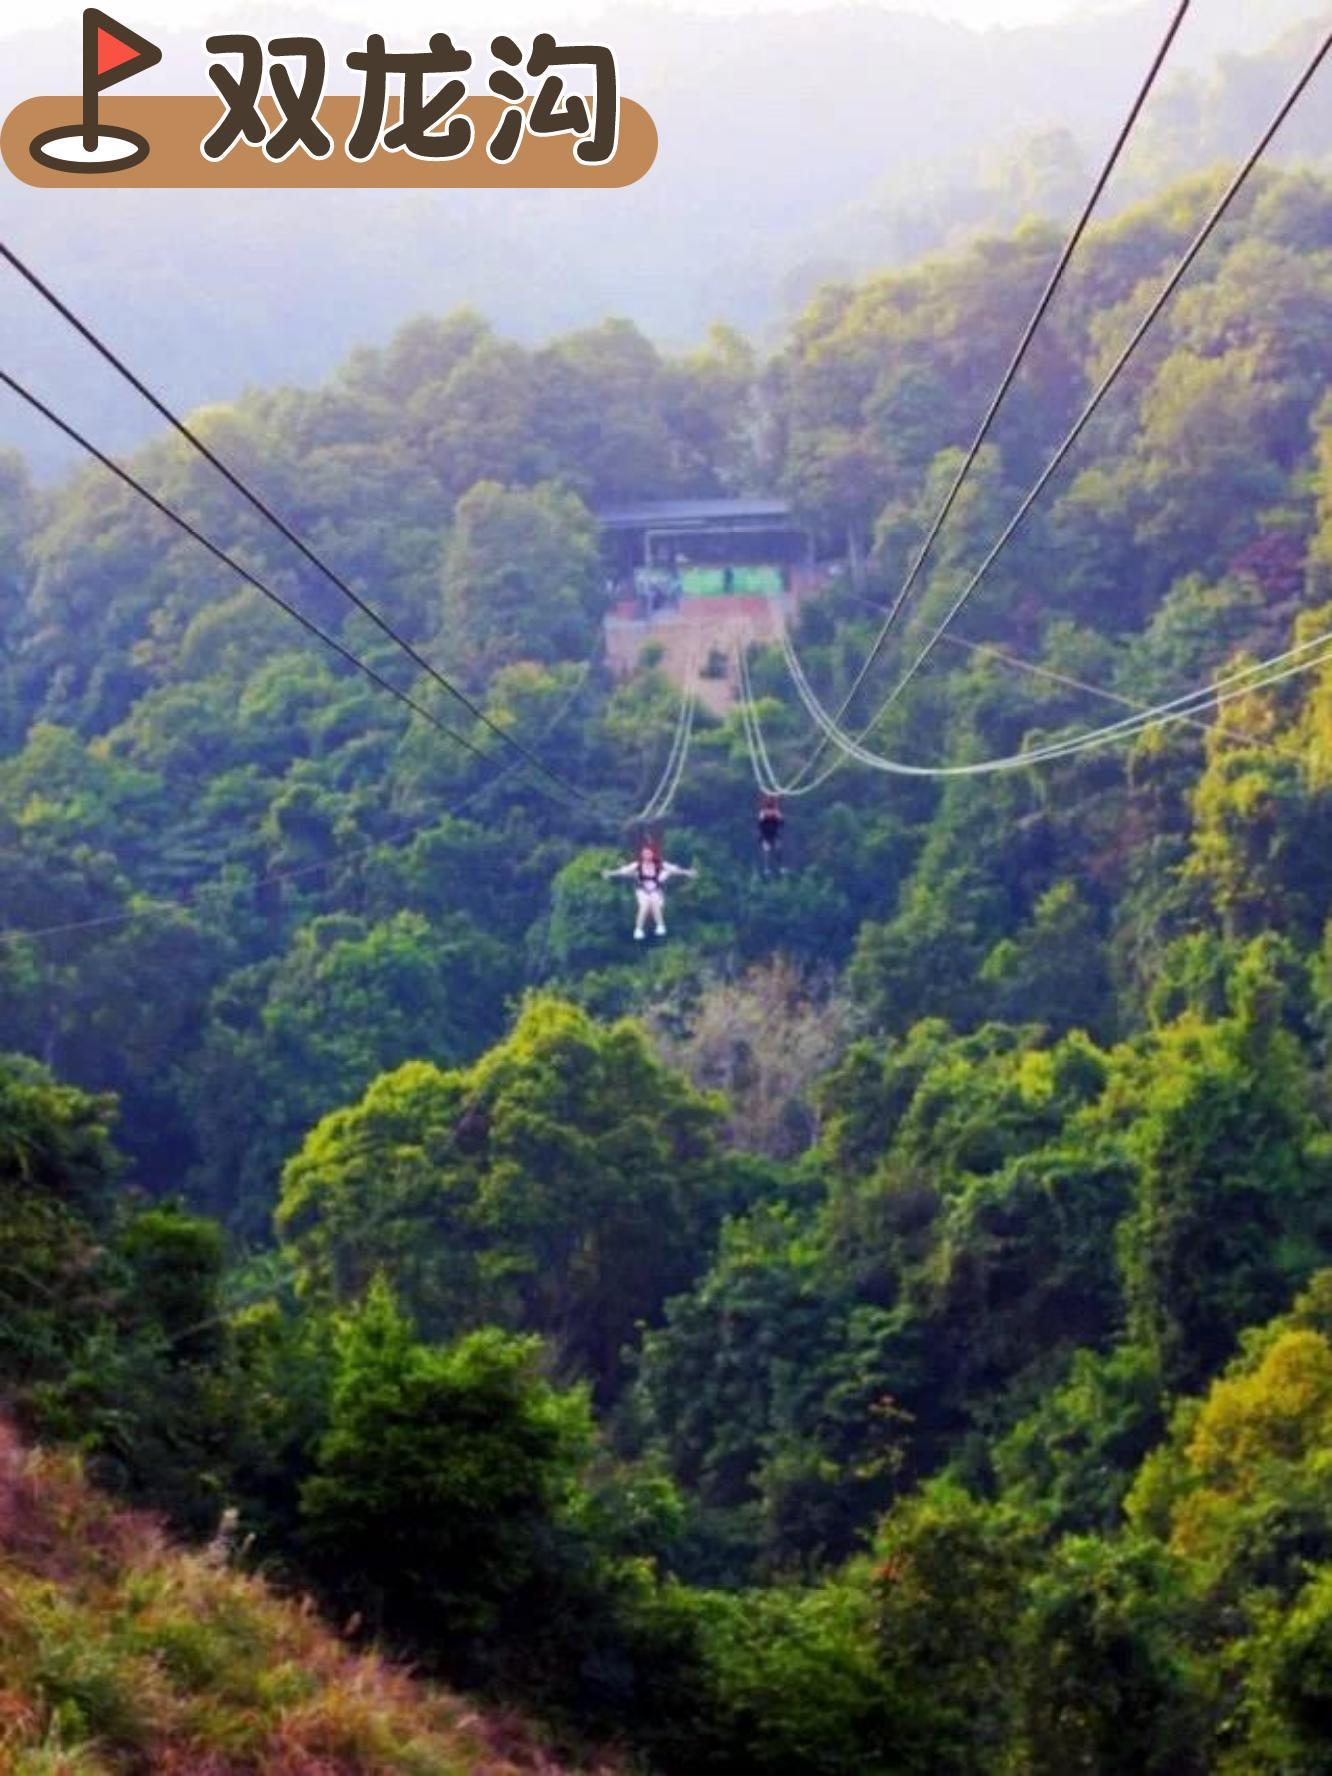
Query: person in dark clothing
(771, 820)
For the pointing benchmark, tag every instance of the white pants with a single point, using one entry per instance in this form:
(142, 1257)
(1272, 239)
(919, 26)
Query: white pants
(651, 905)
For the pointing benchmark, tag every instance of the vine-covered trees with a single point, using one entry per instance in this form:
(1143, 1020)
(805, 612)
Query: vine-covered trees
(442, 1477)
(568, 1184)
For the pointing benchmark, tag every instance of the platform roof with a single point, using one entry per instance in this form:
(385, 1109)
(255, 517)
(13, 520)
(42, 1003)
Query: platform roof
(693, 513)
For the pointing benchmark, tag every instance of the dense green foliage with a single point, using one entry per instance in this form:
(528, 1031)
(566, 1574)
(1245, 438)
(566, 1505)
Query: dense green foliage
(886, 1328)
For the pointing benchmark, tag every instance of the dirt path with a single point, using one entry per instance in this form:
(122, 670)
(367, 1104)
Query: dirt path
(702, 626)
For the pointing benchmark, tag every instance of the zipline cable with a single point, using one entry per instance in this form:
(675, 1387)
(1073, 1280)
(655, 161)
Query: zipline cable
(764, 774)
(985, 650)
(293, 537)
(1019, 358)
(659, 801)
(195, 897)
(667, 800)
(312, 628)
(661, 805)
(1172, 283)
(1198, 700)
(758, 760)
(1227, 689)
(1135, 725)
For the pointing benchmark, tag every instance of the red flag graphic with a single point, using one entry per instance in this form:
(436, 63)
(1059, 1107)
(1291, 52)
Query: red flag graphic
(112, 52)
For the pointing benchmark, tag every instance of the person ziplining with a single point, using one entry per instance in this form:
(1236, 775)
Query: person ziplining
(771, 821)
(649, 873)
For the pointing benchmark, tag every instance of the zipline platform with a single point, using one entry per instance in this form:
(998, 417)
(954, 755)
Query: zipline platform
(697, 577)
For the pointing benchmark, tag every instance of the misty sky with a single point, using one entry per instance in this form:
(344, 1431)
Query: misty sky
(519, 15)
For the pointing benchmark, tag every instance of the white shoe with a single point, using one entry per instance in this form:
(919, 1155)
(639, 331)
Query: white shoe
(639, 935)
(661, 931)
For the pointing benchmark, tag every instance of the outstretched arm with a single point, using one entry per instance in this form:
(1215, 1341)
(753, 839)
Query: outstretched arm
(625, 869)
(673, 869)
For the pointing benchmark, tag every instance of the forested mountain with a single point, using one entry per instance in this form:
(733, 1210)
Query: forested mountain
(795, 146)
(885, 1328)
(1199, 118)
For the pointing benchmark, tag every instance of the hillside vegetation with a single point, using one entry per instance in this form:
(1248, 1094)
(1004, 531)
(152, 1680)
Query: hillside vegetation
(120, 1653)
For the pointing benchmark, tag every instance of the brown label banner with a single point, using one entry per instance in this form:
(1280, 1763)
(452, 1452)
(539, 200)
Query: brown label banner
(174, 127)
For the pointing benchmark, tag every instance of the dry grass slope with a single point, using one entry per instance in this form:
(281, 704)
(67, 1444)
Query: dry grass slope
(122, 1655)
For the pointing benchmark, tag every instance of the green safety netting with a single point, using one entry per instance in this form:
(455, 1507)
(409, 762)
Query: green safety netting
(738, 582)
